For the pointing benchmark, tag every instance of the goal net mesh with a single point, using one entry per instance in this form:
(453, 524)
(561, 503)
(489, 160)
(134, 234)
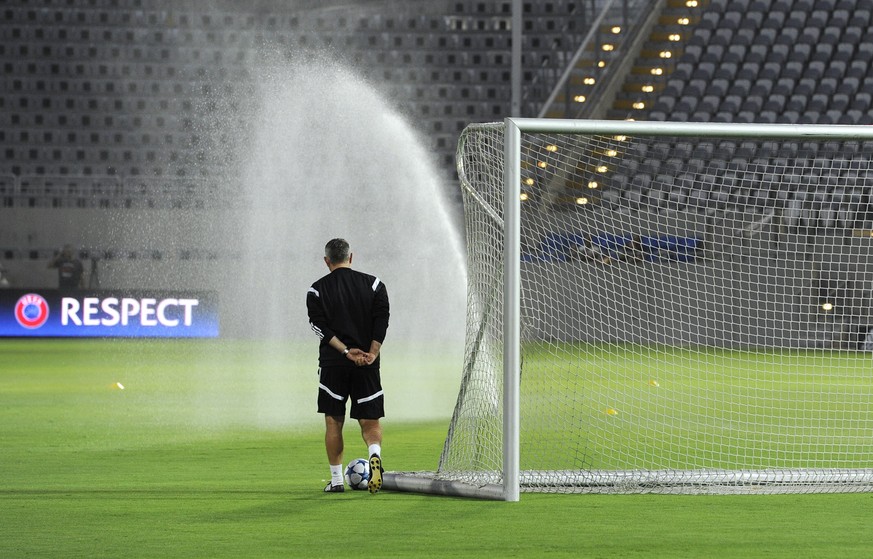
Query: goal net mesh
(695, 314)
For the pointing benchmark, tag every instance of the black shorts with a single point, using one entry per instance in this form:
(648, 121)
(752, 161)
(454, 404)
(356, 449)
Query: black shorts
(363, 386)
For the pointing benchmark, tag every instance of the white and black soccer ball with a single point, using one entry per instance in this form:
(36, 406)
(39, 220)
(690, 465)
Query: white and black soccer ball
(358, 473)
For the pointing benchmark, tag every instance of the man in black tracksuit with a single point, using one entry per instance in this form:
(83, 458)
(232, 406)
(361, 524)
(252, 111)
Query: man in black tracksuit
(348, 310)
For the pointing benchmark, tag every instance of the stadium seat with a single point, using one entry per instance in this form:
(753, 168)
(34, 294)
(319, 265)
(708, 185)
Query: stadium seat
(731, 104)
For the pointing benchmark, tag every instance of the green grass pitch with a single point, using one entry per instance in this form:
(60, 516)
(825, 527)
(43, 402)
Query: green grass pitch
(213, 450)
(689, 408)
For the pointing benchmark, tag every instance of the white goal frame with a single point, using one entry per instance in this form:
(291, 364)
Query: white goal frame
(512, 477)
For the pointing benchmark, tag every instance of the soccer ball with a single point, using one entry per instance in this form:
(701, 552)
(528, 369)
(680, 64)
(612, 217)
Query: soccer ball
(358, 473)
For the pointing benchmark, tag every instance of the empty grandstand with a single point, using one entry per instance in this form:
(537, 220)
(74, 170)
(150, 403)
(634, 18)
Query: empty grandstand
(111, 104)
(117, 87)
(115, 104)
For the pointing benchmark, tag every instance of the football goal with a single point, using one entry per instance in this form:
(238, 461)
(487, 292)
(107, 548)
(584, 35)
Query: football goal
(663, 307)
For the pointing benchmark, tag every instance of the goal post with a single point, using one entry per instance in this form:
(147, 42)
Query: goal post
(663, 307)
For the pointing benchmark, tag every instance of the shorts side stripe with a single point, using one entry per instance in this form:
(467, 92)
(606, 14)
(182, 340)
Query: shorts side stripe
(331, 394)
(369, 398)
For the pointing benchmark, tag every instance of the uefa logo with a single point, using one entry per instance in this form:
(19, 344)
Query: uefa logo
(31, 311)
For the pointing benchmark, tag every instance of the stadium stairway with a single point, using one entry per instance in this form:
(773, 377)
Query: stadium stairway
(623, 63)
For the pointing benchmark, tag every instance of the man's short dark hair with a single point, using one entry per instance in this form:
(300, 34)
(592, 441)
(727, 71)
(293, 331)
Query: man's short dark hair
(337, 251)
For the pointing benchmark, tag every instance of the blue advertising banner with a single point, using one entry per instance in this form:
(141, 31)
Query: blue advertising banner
(97, 314)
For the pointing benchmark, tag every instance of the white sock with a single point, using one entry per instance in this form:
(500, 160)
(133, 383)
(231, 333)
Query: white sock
(336, 474)
(375, 449)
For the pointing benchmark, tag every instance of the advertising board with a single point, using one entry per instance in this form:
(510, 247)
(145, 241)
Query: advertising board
(146, 314)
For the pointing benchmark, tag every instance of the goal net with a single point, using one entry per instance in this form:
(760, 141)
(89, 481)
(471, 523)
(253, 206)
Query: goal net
(664, 307)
